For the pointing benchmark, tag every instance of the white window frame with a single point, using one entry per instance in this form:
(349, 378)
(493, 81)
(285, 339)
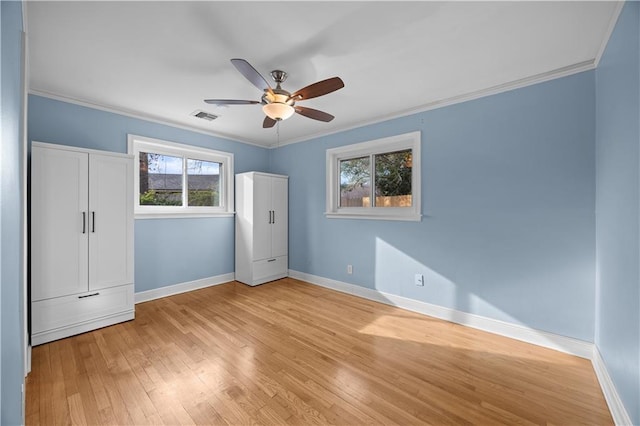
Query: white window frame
(373, 147)
(137, 144)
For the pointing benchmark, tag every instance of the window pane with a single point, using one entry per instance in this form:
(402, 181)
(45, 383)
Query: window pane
(393, 179)
(355, 182)
(203, 179)
(160, 180)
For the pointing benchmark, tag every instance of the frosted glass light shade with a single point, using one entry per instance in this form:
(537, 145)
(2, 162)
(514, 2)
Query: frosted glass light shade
(278, 110)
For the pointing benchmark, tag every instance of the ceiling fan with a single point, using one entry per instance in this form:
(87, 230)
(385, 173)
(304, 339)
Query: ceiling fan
(278, 104)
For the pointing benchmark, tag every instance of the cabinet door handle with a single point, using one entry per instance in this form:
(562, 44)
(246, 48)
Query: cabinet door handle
(274, 216)
(93, 221)
(89, 295)
(271, 260)
(84, 223)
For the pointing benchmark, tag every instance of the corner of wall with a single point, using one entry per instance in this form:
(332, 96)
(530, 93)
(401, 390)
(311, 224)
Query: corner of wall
(618, 412)
(610, 28)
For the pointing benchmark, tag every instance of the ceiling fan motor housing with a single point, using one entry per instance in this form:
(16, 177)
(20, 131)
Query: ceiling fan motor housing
(278, 76)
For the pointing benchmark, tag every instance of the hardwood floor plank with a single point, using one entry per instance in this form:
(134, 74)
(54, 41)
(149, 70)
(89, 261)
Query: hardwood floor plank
(86, 399)
(106, 371)
(59, 406)
(169, 411)
(76, 410)
(289, 352)
(203, 413)
(98, 390)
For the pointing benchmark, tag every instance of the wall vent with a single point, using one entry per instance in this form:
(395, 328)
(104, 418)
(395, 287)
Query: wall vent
(204, 115)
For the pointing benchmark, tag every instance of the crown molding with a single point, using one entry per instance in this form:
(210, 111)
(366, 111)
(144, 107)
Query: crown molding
(137, 115)
(493, 90)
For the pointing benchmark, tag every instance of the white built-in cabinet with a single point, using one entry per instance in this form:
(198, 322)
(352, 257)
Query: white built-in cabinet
(81, 240)
(262, 236)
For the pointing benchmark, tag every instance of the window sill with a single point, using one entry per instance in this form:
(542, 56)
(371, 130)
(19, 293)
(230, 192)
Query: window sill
(180, 215)
(369, 216)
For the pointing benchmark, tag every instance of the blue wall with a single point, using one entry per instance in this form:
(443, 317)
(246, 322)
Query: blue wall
(617, 208)
(167, 251)
(11, 216)
(508, 200)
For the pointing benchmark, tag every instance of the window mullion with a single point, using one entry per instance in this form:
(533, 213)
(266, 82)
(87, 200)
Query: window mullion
(372, 178)
(221, 186)
(185, 183)
(338, 187)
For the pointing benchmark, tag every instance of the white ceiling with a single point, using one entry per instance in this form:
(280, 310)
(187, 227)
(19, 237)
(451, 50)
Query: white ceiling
(161, 59)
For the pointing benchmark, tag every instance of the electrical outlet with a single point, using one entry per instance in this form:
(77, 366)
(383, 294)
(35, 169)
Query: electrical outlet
(349, 269)
(419, 280)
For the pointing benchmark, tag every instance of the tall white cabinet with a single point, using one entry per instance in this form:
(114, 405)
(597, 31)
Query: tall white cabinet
(262, 230)
(81, 240)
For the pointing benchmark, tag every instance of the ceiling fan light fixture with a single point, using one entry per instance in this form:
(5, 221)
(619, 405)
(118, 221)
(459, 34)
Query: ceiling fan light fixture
(278, 110)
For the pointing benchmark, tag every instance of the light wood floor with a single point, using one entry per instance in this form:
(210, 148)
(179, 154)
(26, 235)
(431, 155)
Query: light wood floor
(290, 352)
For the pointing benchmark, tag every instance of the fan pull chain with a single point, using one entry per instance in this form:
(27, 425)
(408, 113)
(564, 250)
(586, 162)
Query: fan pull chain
(278, 133)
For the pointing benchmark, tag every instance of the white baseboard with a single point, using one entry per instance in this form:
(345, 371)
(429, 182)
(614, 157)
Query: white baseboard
(170, 290)
(540, 338)
(618, 412)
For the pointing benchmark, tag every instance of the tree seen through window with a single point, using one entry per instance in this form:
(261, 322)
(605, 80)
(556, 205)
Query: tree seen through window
(391, 183)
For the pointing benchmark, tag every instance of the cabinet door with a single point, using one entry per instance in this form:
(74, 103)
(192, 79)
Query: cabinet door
(280, 226)
(261, 217)
(59, 232)
(110, 221)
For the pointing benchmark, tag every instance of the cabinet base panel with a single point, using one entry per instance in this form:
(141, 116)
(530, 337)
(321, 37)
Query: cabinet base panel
(263, 280)
(61, 333)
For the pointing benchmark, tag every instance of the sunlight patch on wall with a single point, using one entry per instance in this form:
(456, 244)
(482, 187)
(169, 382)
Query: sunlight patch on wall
(395, 273)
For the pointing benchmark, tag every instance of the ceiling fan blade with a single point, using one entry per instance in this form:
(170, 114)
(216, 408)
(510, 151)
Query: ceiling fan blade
(268, 122)
(314, 113)
(251, 74)
(230, 102)
(318, 89)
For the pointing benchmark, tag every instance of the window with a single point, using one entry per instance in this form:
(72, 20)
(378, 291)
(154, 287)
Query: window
(174, 180)
(378, 179)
